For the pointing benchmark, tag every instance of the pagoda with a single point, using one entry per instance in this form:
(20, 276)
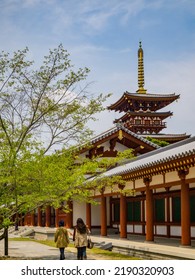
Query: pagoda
(141, 109)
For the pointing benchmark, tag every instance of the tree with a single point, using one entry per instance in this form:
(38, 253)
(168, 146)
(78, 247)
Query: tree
(53, 179)
(56, 178)
(158, 142)
(39, 109)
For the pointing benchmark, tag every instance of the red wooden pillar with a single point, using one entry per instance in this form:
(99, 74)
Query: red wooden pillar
(56, 217)
(185, 210)
(48, 216)
(149, 211)
(103, 215)
(123, 216)
(26, 220)
(143, 213)
(32, 219)
(88, 215)
(39, 220)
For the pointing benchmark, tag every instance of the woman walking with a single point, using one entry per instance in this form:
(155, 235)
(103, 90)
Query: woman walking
(80, 238)
(62, 239)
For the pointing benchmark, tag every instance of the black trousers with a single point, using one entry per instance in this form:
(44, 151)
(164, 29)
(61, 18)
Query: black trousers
(62, 253)
(81, 253)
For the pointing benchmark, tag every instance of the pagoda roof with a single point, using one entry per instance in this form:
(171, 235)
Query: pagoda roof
(114, 132)
(171, 138)
(162, 115)
(124, 103)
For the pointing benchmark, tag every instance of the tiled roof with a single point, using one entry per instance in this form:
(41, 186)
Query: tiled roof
(149, 95)
(161, 135)
(128, 115)
(116, 128)
(162, 155)
(124, 104)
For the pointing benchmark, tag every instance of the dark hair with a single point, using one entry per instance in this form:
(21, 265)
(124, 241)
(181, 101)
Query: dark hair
(81, 227)
(61, 223)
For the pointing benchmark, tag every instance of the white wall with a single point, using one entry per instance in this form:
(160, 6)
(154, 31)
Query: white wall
(79, 211)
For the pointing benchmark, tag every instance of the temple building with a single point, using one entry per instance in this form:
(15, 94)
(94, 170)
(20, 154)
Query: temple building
(162, 179)
(141, 109)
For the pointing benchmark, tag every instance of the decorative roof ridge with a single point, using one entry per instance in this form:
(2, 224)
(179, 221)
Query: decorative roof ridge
(115, 128)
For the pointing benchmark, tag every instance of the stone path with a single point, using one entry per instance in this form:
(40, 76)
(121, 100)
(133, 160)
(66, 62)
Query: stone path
(35, 250)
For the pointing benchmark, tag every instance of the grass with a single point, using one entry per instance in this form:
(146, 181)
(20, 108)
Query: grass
(103, 254)
(112, 255)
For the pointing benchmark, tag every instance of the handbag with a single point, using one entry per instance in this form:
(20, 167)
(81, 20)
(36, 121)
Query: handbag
(90, 243)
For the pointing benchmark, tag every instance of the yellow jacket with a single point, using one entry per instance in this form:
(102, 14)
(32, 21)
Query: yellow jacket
(61, 237)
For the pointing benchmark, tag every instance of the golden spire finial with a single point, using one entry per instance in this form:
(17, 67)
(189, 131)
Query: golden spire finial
(141, 69)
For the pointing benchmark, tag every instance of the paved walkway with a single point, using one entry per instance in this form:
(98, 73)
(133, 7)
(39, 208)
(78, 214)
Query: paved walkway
(29, 250)
(161, 246)
(167, 248)
(33, 250)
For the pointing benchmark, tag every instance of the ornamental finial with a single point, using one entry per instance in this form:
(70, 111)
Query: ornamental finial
(141, 70)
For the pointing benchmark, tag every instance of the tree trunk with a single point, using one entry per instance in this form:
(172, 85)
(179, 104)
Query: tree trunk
(2, 236)
(6, 242)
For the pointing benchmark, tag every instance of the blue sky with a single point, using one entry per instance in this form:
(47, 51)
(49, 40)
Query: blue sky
(104, 36)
